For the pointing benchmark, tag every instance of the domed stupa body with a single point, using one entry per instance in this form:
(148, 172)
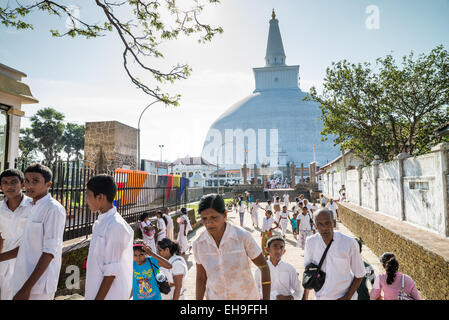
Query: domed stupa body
(273, 125)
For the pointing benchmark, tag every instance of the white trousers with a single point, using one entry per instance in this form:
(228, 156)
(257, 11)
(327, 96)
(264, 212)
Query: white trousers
(303, 234)
(255, 217)
(284, 224)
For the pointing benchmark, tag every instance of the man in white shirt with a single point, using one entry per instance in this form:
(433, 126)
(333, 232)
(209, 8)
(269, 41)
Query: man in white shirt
(332, 206)
(285, 284)
(14, 211)
(38, 258)
(343, 263)
(110, 261)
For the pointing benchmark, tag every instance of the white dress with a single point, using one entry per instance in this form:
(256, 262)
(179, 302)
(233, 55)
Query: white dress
(148, 237)
(255, 214)
(284, 221)
(169, 226)
(182, 239)
(163, 229)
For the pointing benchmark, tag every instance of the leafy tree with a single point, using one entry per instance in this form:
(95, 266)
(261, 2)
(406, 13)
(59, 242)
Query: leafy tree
(47, 127)
(387, 112)
(73, 140)
(27, 146)
(140, 36)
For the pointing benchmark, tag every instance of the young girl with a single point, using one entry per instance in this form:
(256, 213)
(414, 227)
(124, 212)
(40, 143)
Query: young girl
(176, 276)
(184, 228)
(242, 208)
(294, 223)
(254, 213)
(277, 209)
(267, 230)
(144, 272)
(222, 255)
(284, 218)
(148, 230)
(161, 226)
(392, 283)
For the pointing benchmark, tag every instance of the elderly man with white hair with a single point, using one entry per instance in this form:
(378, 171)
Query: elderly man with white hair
(343, 263)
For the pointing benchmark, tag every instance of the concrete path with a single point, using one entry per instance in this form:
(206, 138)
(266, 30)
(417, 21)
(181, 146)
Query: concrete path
(293, 254)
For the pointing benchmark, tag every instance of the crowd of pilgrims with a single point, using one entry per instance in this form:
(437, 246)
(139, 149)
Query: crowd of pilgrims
(153, 267)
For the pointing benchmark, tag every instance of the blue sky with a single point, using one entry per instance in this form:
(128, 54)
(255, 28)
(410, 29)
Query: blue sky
(85, 80)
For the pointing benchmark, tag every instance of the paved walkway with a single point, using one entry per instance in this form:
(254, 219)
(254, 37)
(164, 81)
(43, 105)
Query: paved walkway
(293, 254)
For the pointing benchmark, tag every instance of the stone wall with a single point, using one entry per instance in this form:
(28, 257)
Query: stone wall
(110, 145)
(422, 260)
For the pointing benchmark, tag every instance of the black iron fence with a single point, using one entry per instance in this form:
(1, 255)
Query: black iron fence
(137, 192)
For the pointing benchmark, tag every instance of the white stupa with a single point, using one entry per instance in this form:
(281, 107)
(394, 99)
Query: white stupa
(273, 125)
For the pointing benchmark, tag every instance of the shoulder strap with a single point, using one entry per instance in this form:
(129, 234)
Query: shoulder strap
(402, 282)
(324, 255)
(152, 265)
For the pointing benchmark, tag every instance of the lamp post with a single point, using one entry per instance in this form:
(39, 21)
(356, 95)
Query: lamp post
(161, 146)
(138, 133)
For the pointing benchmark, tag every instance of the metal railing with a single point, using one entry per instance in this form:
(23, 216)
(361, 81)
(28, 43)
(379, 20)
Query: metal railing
(134, 195)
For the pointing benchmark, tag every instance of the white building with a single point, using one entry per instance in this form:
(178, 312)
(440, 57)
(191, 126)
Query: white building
(196, 169)
(13, 94)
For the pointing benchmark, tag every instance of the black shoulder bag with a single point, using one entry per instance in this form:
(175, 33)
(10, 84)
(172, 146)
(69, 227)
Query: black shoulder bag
(314, 277)
(162, 283)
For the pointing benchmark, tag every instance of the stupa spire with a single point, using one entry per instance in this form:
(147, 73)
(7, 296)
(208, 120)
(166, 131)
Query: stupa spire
(275, 55)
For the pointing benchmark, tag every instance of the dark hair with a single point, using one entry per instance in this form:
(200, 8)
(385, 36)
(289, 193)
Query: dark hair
(103, 184)
(163, 218)
(390, 264)
(137, 246)
(143, 216)
(183, 210)
(275, 238)
(268, 201)
(277, 198)
(360, 242)
(172, 246)
(40, 168)
(212, 201)
(12, 173)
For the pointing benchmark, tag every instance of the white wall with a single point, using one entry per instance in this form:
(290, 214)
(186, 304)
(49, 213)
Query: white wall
(389, 189)
(425, 188)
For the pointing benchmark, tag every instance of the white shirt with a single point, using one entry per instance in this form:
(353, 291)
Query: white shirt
(333, 207)
(286, 197)
(43, 232)
(304, 222)
(110, 254)
(161, 225)
(342, 263)
(228, 267)
(179, 267)
(284, 281)
(12, 224)
(267, 223)
(268, 207)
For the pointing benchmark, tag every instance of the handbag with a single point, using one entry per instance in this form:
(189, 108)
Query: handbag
(314, 277)
(402, 295)
(161, 279)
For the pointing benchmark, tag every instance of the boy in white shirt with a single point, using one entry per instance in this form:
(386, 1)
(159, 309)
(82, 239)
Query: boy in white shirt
(110, 261)
(38, 258)
(268, 206)
(285, 284)
(332, 206)
(14, 211)
(267, 230)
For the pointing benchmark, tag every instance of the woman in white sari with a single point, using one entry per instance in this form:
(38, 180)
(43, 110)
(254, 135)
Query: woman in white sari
(184, 228)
